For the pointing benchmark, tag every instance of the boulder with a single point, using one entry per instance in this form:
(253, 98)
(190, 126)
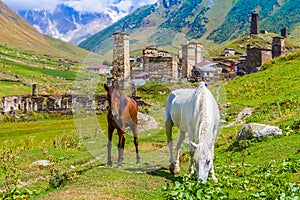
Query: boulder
(146, 122)
(40, 163)
(254, 130)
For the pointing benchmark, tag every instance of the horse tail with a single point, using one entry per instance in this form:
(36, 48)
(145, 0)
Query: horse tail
(168, 107)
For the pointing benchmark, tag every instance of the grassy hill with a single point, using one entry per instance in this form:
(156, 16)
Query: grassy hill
(260, 40)
(273, 92)
(263, 168)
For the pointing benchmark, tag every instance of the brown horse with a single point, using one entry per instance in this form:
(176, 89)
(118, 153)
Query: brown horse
(122, 111)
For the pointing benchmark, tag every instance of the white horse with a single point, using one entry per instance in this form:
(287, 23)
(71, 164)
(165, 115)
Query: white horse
(194, 111)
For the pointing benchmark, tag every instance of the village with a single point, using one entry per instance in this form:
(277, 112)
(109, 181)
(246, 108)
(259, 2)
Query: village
(159, 65)
(154, 65)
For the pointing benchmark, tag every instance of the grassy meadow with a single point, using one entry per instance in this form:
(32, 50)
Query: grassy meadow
(265, 168)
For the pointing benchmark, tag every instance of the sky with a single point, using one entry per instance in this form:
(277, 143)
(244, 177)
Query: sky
(79, 5)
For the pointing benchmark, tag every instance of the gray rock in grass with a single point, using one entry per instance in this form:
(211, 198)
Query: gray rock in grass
(254, 130)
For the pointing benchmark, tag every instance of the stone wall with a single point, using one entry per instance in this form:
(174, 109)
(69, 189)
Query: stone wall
(53, 103)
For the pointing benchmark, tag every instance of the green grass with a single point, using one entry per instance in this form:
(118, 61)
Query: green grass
(272, 93)
(52, 74)
(17, 88)
(261, 168)
(24, 70)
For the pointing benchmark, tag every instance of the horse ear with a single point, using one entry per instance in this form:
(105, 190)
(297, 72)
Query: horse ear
(106, 87)
(196, 146)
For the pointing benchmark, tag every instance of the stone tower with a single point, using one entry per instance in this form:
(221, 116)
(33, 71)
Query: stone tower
(34, 90)
(191, 54)
(284, 32)
(121, 60)
(278, 48)
(254, 24)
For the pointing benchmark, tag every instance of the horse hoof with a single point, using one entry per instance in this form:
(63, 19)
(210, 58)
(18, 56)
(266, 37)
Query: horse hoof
(215, 180)
(174, 170)
(109, 164)
(177, 170)
(119, 166)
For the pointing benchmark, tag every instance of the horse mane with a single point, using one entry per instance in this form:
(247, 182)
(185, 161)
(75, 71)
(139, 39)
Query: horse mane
(200, 104)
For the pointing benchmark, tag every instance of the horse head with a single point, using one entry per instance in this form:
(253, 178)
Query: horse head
(203, 159)
(114, 102)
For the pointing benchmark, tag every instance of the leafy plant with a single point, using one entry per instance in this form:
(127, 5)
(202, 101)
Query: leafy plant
(256, 181)
(9, 164)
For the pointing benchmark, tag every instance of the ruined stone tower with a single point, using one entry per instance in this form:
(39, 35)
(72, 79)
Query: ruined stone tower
(278, 47)
(191, 54)
(254, 24)
(121, 60)
(34, 90)
(284, 32)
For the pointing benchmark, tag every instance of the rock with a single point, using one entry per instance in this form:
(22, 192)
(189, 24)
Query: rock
(40, 163)
(254, 130)
(227, 105)
(146, 122)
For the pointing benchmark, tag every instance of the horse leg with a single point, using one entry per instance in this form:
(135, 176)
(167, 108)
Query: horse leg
(191, 167)
(133, 127)
(177, 152)
(121, 145)
(109, 145)
(212, 171)
(168, 126)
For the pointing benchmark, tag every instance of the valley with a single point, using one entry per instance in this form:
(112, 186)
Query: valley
(71, 147)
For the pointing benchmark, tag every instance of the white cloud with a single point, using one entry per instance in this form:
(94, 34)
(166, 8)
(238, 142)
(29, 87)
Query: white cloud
(80, 5)
(90, 5)
(29, 4)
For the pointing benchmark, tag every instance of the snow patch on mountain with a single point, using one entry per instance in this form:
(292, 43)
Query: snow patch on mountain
(75, 21)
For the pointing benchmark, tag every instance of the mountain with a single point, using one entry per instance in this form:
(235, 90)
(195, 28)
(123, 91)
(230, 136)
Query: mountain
(66, 23)
(15, 32)
(69, 24)
(171, 23)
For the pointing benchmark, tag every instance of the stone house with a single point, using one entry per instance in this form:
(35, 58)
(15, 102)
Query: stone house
(256, 57)
(228, 52)
(160, 65)
(206, 69)
(99, 69)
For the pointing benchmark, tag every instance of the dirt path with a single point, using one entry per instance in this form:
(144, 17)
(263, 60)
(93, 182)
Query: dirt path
(245, 113)
(242, 115)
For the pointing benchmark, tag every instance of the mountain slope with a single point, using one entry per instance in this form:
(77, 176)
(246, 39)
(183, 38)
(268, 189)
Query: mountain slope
(170, 23)
(15, 32)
